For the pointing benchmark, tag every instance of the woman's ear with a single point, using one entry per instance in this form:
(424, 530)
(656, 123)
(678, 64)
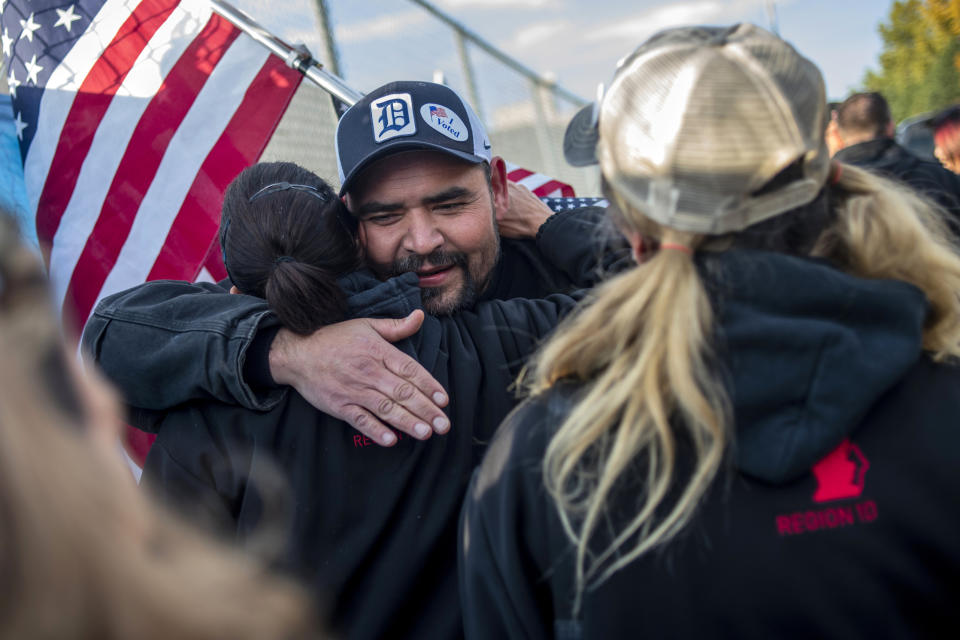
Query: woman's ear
(636, 244)
(233, 289)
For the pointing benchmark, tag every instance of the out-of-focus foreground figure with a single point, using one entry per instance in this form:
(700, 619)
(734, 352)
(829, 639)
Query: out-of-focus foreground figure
(753, 433)
(83, 553)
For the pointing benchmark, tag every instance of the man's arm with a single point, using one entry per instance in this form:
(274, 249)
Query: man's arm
(165, 343)
(350, 370)
(168, 342)
(579, 242)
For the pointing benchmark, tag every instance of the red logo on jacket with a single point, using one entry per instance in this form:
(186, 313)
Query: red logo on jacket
(840, 475)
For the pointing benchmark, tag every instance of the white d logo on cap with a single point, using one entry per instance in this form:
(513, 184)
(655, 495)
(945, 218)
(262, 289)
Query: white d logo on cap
(392, 116)
(444, 120)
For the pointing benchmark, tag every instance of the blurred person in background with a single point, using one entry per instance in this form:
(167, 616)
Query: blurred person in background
(946, 138)
(752, 433)
(863, 136)
(83, 553)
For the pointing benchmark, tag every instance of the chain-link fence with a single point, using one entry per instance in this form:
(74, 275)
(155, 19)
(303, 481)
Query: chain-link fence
(525, 113)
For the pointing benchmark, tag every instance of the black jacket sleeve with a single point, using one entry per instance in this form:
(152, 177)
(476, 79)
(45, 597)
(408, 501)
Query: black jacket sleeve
(520, 325)
(503, 589)
(167, 342)
(583, 245)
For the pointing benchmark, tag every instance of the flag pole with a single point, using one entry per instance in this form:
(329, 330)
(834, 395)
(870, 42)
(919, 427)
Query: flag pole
(296, 57)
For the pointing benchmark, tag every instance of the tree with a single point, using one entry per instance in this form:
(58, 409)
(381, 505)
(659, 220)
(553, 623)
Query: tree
(920, 61)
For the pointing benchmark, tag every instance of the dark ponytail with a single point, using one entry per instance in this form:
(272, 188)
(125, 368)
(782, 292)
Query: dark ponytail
(284, 239)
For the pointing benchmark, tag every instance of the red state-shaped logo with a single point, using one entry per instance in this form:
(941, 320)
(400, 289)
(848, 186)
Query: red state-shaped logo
(841, 473)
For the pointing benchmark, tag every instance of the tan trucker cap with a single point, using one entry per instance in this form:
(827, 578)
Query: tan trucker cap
(709, 129)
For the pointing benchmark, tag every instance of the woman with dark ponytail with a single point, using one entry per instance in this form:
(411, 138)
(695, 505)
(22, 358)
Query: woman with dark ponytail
(284, 238)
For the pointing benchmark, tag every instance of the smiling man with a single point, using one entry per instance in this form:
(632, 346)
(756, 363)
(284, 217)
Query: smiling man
(419, 211)
(418, 174)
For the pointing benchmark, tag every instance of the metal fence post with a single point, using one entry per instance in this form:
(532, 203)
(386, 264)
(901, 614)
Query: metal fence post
(468, 76)
(545, 115)
(331, 54)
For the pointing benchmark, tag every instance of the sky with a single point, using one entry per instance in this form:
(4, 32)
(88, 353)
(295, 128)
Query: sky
(576, 41)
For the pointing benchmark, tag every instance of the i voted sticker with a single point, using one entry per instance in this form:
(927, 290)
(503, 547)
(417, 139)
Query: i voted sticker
(444, 120)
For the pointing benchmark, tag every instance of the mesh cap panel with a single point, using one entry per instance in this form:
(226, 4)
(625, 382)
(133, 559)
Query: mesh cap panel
(698, 119)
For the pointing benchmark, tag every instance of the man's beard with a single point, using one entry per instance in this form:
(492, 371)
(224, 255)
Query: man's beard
(433, 303)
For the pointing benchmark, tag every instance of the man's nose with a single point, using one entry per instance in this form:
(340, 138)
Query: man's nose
(423, 236)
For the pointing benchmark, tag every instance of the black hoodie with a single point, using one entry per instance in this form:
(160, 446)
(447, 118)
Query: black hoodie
(835, 516)
(372, 529)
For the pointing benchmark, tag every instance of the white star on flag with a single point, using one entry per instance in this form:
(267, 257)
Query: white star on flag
(21, 125)
(32, 70)
(66, 18)
(29, 26)
(7, 43)
(13, 83)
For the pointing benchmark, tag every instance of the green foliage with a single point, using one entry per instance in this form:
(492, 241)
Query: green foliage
(920, 62)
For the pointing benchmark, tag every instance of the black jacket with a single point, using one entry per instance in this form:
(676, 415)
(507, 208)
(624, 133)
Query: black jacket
(836, 515)
(889, 159)
(372, 529)
(167, 342)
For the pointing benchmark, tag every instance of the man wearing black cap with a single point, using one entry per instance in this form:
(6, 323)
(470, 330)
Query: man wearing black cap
(417, 172)
(426, 195)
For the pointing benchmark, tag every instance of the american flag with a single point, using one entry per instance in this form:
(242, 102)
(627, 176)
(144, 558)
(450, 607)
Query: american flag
(132, 117)
(539, 184)
(559, 205)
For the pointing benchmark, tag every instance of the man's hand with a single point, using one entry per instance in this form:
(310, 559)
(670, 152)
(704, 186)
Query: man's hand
(526, 213)
(351, 372)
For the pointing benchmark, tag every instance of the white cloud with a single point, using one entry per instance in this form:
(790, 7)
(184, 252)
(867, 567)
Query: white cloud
(539, 33)
(486, 4)
(675, 14)
(384, 26)
(653, 20)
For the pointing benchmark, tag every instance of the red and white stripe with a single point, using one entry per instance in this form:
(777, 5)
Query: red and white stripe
(539, 184)
(152, 113)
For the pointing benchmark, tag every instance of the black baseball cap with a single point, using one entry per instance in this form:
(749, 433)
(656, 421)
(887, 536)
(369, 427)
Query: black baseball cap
(405, 116)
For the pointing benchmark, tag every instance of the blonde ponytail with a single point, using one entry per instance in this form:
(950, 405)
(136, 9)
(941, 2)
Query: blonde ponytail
(643, 345)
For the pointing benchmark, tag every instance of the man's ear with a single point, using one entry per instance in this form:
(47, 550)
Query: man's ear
(234, 290)
(361, 237)
(498, 185)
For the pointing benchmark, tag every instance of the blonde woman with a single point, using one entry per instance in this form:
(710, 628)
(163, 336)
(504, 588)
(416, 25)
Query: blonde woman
(755, 431)
(82, 553)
